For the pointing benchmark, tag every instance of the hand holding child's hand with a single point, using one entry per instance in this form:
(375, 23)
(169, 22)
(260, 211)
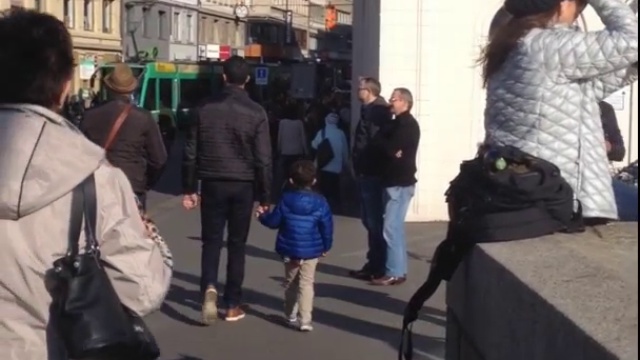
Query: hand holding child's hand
(261, 209)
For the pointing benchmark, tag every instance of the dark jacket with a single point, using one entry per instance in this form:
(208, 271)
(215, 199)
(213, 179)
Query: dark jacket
(304, 223)
(400, 135)
(138, 149)
(365, 157)
(229, 141)
(612, 132)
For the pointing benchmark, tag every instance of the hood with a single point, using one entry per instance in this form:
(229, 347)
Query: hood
(332, 119)
(42, 158)
(301, 202)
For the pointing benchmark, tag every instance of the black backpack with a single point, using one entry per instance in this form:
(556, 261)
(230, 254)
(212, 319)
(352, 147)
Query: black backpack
(504, 194)
(324, 153)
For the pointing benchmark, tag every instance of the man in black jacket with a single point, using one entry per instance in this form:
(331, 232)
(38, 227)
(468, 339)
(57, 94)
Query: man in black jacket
(229, 149)
(612, 134)
(374, 114)
(136, 147)
(398, 144)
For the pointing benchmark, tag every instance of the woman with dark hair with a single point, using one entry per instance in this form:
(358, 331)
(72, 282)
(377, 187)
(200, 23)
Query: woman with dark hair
(544, 80)
(43, 158)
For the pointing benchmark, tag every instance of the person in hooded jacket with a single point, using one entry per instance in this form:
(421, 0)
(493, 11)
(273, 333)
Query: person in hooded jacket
(544, 80)
(329, 175)
(43, 157)
(305, 234)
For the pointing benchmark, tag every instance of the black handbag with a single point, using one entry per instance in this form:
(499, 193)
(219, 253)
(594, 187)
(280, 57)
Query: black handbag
(324, 154)
(86, 311)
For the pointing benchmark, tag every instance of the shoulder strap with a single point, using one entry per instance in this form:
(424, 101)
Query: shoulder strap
(75, 223)
(116, 126)
(90, 211)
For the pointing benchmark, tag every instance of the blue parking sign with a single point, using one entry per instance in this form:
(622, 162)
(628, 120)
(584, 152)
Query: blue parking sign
(262, 75)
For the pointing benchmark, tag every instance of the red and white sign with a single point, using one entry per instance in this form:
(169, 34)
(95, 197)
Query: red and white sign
(215, 51)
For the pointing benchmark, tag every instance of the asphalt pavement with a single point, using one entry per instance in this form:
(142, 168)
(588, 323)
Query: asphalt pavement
(352, 320)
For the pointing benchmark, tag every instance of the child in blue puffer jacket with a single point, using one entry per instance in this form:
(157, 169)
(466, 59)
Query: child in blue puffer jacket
(305, 233)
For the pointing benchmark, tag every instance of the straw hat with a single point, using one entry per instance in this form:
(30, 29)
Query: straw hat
(121, 79)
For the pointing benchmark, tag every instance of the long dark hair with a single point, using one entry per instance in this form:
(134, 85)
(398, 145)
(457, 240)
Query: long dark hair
(505, 38)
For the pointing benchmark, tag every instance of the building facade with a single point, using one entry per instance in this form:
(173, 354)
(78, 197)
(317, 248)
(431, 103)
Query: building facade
(160, 30)
(331, 29)
(95, 27)
(221, 33)
(267, 33)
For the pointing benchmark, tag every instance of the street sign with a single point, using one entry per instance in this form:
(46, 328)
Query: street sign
(262, 75)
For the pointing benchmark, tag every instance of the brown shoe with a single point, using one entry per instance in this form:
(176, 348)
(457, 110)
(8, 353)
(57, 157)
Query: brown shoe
(235, 314)
(388, 280)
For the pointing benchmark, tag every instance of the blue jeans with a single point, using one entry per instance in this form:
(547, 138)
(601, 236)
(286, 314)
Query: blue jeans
(626, 200)
(397, 201)
(372, 211)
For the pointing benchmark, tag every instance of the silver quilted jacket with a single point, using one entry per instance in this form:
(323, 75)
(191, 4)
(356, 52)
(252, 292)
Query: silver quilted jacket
(544, 100)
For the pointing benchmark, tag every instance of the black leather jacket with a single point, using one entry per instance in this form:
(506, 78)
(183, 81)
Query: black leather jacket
(229, 140)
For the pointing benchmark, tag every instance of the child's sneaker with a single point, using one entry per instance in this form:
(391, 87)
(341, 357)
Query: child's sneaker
(291, 321)
(306, 327)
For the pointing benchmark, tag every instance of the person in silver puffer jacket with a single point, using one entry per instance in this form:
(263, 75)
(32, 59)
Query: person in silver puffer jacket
(544, 80)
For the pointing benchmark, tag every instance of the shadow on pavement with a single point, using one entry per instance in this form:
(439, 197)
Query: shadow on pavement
(361, 327)
(373, 299)
(183, 297)
(259, 253)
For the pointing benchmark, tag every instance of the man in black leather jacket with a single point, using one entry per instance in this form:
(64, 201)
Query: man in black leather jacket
(228, 148)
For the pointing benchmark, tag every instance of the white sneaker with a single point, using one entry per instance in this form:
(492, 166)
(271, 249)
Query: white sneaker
(306, 327)
(210, 306)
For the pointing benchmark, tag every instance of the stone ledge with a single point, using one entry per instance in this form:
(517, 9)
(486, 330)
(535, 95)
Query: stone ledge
(563, 297)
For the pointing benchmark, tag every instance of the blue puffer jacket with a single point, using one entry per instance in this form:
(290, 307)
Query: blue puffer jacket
(304, 223)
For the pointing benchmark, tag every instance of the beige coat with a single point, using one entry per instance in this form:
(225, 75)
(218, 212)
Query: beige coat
(42, 158)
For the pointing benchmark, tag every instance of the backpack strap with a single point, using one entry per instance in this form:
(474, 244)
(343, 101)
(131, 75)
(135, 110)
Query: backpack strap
(448, 255)
(576, 224)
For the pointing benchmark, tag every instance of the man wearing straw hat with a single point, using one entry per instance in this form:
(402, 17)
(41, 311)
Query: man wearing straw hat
(129, 134)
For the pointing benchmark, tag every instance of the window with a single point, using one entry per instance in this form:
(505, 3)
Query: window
(69, 18)
(224, 32)
(150, 96)
(87, 14)
(129, 18)
(175, 27)
(215, 32)
(240, 36)
(165, 93)
(188, 29)
(107, 16)
(146, 22)
(163, 31)
(300, 37)
(203, 35)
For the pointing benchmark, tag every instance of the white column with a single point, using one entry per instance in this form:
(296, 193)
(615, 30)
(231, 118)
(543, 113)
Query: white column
(429, 47)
